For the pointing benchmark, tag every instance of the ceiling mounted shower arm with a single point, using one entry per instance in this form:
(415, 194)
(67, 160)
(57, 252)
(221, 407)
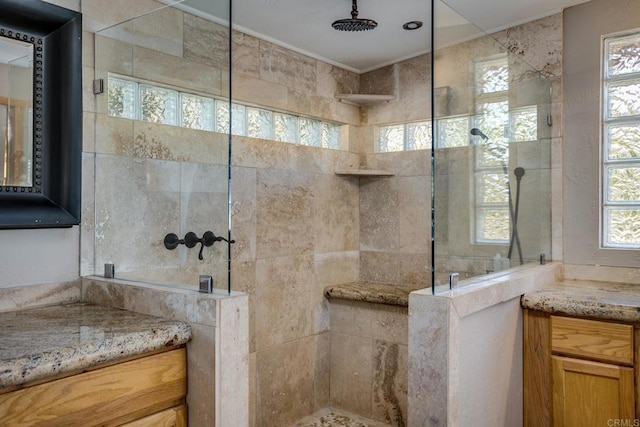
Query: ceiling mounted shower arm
(354, 9)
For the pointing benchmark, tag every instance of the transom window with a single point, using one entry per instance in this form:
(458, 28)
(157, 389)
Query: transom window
(620, 216)
(135, 100)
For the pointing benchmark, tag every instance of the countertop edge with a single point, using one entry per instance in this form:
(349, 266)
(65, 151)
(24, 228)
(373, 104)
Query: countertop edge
(64, 360)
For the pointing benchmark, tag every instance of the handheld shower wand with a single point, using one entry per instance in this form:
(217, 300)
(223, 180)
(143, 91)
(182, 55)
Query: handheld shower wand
(519, 173)
(478, 132)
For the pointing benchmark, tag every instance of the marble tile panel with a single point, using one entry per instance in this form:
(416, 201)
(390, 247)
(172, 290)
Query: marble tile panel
(232, 390)
(390, 383)
(88, 98)
(346, 113)
(175, 71)
(113, 56)
(379, 211)
(335, 214)
(407, 163)
(88, 132)
(352, 373)
(414, 216)
(352, 318)
(156, 141)
(337, 267)
(382, 81)
(243, 213)
(162, 303)
(283, 214)
(288, 68)
(149, 214)
(253, 389)
(285, 307)
(246, 54)
(259, 153)
(243, 275)
(160, 31)
(310, 104)
(29, 296)
(602, 273)
(102, 292)
(201, 360)
(68, 4)
(321, 350)
(206, 42)
(285, 382)
(250, 89)
(97, 15)
(308, 159)
(380, 266)
(428, 359)
(390, 323)
(333, 80)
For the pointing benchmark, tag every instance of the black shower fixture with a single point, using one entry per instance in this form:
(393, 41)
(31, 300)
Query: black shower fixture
(355, 23)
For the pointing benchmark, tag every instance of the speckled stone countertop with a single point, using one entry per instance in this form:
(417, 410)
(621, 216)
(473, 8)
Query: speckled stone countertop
(48, 341)
(600, 300)
(379, 293)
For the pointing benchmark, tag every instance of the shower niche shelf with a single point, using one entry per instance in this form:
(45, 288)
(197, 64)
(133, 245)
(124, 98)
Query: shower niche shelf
(364, 173)
(363, 99)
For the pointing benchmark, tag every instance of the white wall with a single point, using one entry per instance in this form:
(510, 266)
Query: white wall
(30, 257)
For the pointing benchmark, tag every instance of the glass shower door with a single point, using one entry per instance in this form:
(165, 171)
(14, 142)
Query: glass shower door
(161, 151)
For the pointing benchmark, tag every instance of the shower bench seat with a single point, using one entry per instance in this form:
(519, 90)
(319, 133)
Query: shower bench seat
(368, 328)
(372, 292)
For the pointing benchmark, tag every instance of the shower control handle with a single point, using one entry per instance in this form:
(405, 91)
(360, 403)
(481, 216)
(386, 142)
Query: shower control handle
(171, 241)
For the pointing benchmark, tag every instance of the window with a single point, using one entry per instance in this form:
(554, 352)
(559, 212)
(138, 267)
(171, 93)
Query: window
(130, 99)
(620, 216)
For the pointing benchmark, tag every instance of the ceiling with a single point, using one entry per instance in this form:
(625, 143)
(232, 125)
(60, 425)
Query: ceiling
(305, 25)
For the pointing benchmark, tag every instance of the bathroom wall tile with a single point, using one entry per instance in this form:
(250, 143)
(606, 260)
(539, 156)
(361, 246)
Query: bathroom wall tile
(310, 104)
(429, 359)
(233, 361)
(243, 275)
(259, 153)
(288, 68)
(103, 293)
(283, 212)
(149, 213)
(253, 90)
(246, 54)
(201, 212)
(285, 382)
(201, 355)
(162, 303)
(88, 132)
(253, 390)
(97, 14)
(602, 273)
(389, 323)
(352, 318)
(166, 142)
(243, 213)
(346, 113)
(390, 383)
(334, 80)
(112, 55)
(379, 211)
(206, 42)
(281, 319)
(383, 81)
(335, 214)
(113, 135)
(414, 214)
(415, 269)
(307, 159)
(321, 345)
(352, 373)
(88, 98)
(68, 4)
(337, 267)
(175, 71)
(29, 296)
(407, 163)
(88, 51)
(380, 266)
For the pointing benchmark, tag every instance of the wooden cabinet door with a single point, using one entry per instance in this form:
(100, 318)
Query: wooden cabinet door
(587, 393)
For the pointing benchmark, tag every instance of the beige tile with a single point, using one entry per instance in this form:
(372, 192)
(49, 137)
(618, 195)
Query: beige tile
(98, 15)
(334, 80)
(321, 351)
(251, 89)
(243, 213)
(285, 382)
(253, 390)
(113, 56)
(246, 54)
(201, 351)
(337, 267)
(23, 297)
(414, 216)
(352, 373)
(113, 135)
(380, 266)
(206, 42)
(283, 211)
(288, 68)
(390, 383)
(379, 212)
(336, 208)
(353, 318)
(259, 153)
(103, 293)
(389, 323)
(167, 304)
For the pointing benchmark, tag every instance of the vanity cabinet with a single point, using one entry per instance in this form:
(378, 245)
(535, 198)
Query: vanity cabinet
(578, 372)
(148, 391)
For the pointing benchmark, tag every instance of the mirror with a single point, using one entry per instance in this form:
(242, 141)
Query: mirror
(40, 115)
(16, 113)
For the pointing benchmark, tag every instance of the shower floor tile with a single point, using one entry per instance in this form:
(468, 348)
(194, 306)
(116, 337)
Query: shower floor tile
(331, 417)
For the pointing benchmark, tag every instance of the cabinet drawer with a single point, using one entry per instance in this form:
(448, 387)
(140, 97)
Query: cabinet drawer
(608, 342)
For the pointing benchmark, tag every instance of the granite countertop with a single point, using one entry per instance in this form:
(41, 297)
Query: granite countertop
(48, 341)
(600, 300)
(378, 293)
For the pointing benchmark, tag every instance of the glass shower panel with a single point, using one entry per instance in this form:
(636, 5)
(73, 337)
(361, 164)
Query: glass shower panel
(492, 152)
(160, 168)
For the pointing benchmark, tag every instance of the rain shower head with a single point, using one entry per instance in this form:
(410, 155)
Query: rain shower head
(355, 23)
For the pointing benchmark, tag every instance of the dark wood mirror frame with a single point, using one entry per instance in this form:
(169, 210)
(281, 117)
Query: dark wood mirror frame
(54, 198)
